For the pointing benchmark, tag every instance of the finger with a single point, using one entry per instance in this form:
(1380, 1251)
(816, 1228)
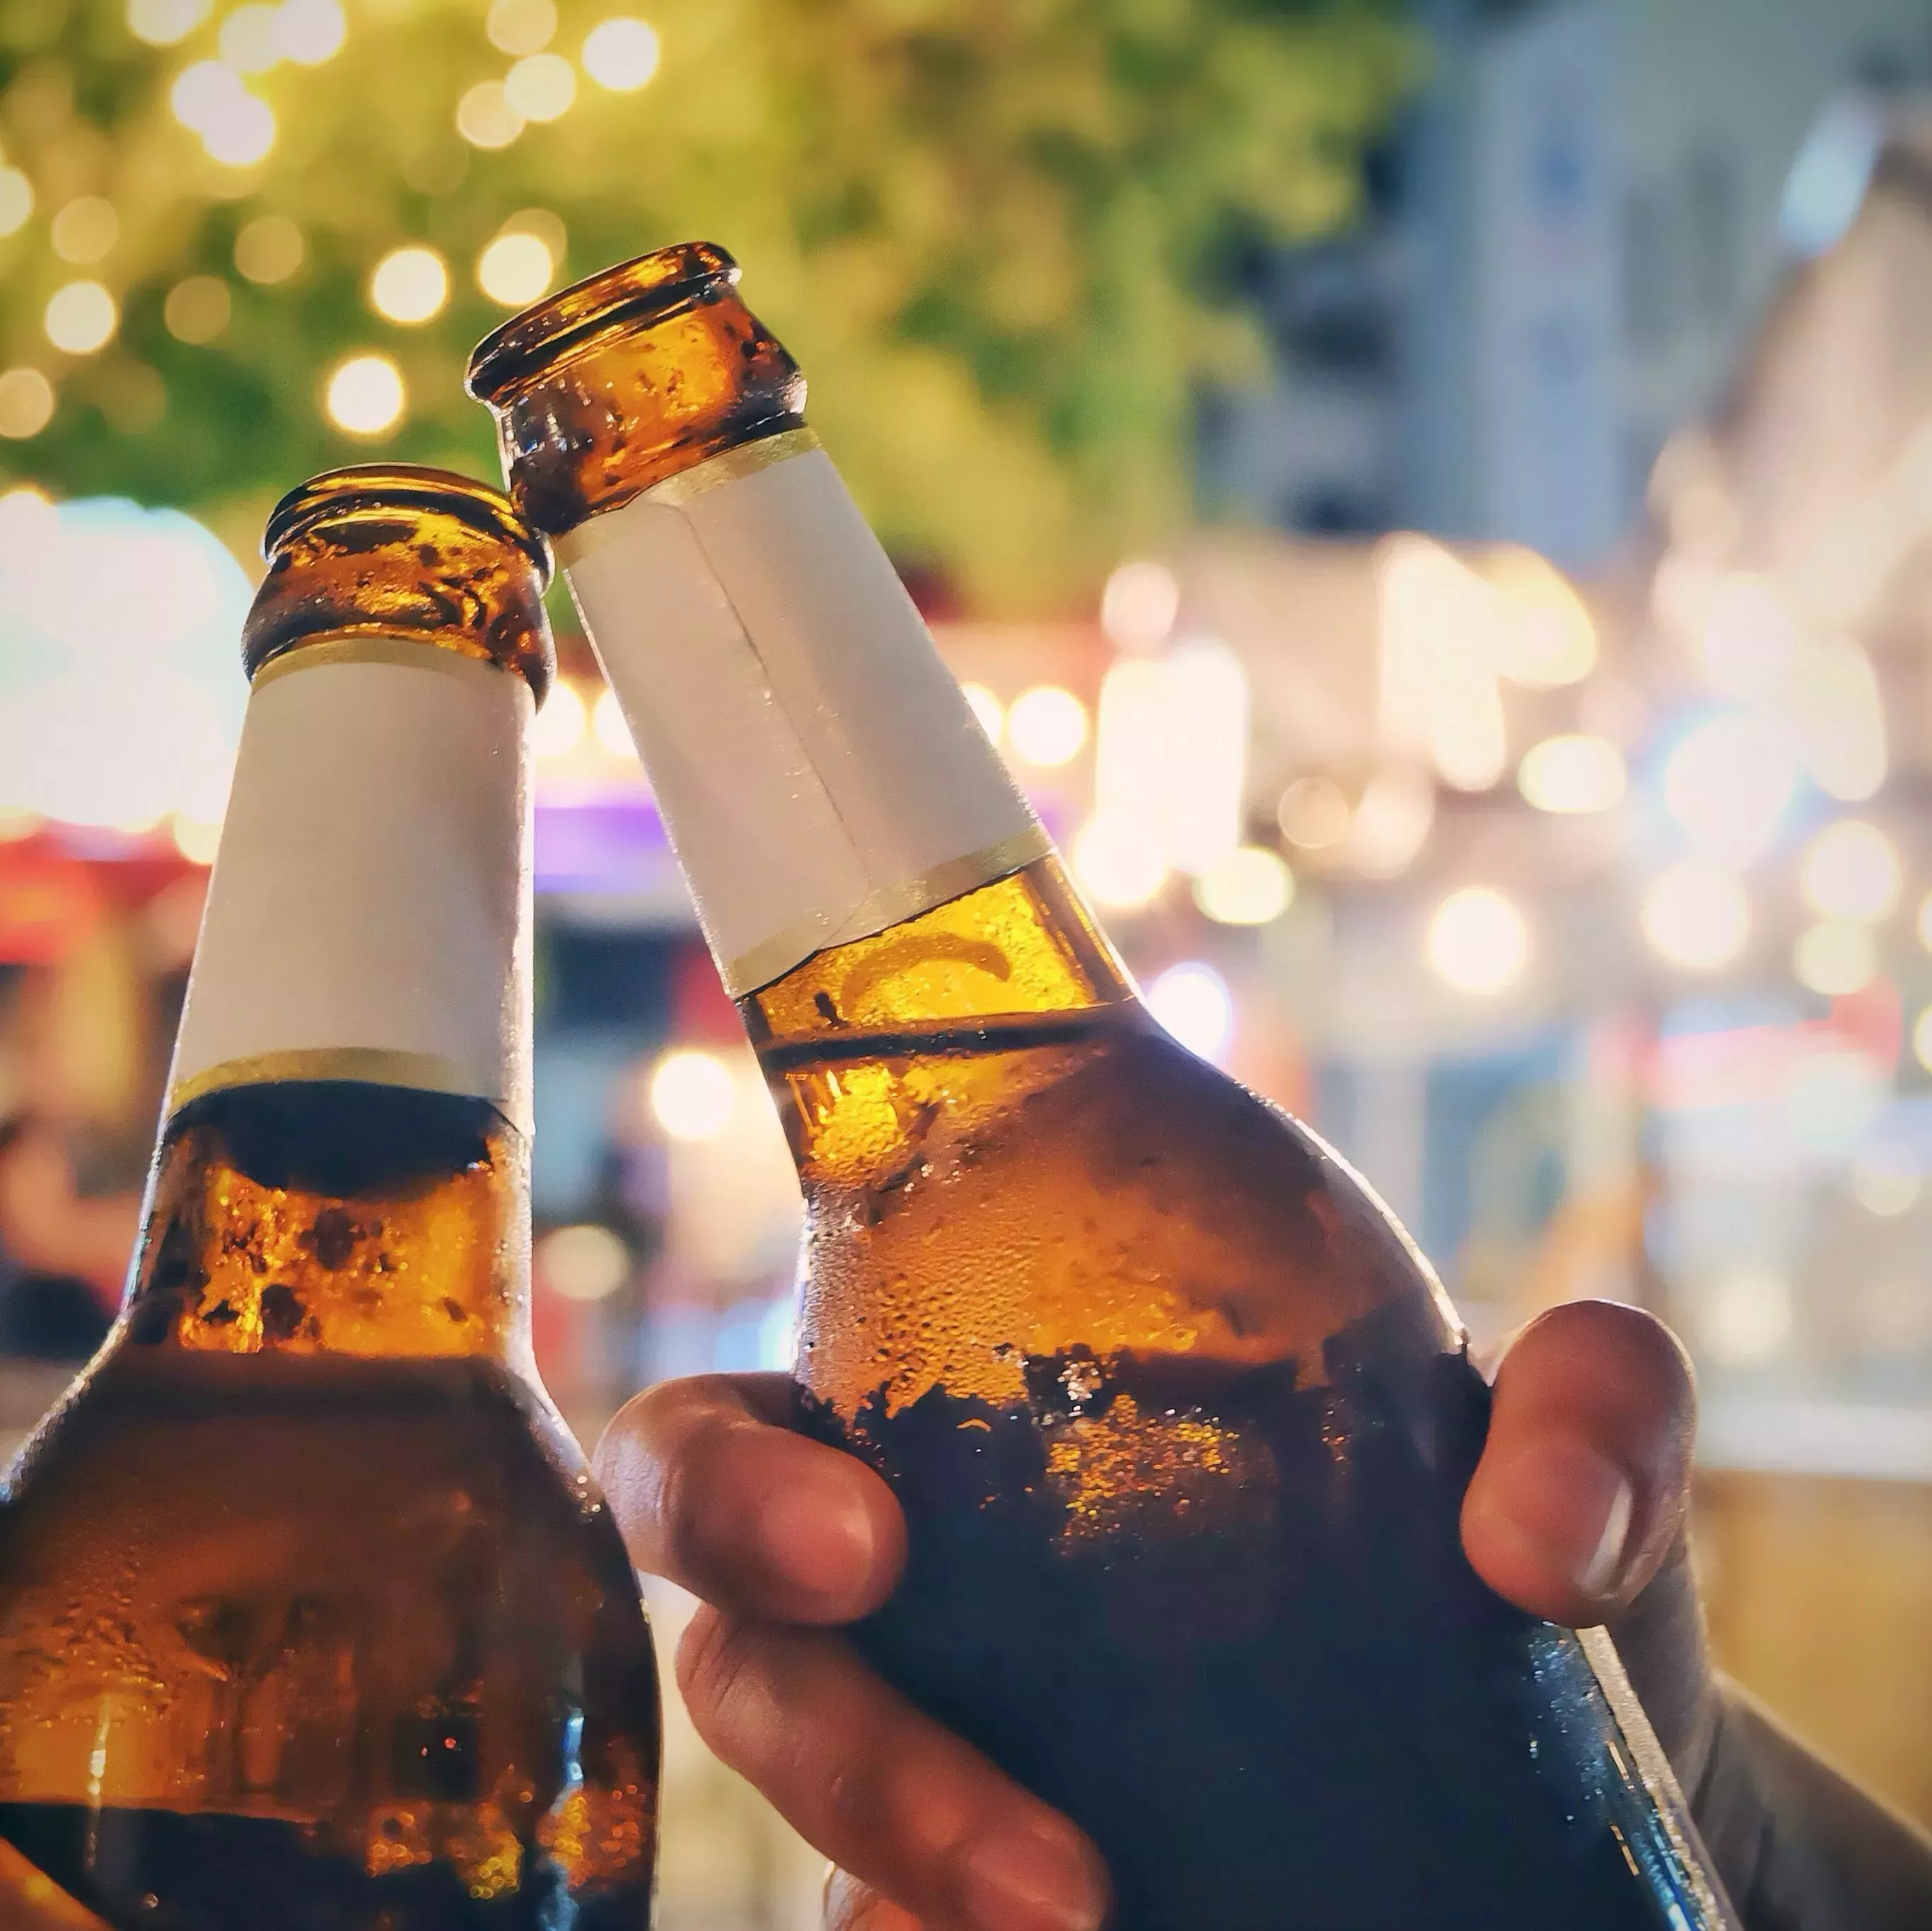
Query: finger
(904, 1806)
(712, 1490)
(1580, 1493)
(850, 1905)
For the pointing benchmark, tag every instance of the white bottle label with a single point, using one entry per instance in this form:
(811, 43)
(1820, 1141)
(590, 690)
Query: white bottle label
(368, 917)
(819, 774)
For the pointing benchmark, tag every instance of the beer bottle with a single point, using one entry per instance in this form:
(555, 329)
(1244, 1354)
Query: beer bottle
(1179, 1419)
(310, 1615)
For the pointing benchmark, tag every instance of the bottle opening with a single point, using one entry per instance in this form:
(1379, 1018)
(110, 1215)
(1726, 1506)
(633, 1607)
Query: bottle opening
(647, 290)
(364, 486)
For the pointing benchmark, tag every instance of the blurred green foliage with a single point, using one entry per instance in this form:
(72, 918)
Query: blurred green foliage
(994, 232)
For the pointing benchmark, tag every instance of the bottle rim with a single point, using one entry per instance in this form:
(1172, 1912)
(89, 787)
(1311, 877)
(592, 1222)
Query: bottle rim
(647, 288)
(417, 485)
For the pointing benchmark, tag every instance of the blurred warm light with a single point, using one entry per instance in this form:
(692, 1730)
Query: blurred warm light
(196, 839)
(1139, 604)
(582, 1264)
(81, 318)
(692, 1094)
(242, 135)
(609, 727)
(515, 269)
(1835, 957)
(1833, 1099)
(1696, 916)
(1313, 813)
(409, 284)
(1437, 642)
(269, 249)
(17, 200)
(1921, 1039)
(1546, 638)
(521, 26)
(622, 53)
(129, 617)
(162, 22)
(1391, 823)
(365, 395)
(1478, 941)
(1836, 714)
(1747, 642)
(203, 92)
(1924, 922)
(1850, 871)
(198, 309)
(1120, 865)
(485, 118)
(1746, 1315)
(85, 231)
(1729, 783)
(26, 403)
(1572, 774)
(1192, 1001)
(541, 87)
(1047, 726)
(986, 707)
(1251, 886)
(310, 31)
(250, 39)
(1884, 1186)
(558, 727)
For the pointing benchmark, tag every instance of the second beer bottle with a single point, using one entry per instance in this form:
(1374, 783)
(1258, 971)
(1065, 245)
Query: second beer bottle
(1180, 1419)
(310, 1615)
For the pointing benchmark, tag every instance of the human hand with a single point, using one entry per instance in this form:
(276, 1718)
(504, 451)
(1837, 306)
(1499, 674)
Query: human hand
(1575, 1513)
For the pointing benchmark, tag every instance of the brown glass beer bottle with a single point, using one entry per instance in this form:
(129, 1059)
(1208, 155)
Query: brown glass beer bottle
(310, 1615)
(1180, 1419)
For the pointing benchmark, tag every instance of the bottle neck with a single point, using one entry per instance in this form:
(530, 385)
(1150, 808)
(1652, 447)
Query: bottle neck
(343, 1163)
(821, 776)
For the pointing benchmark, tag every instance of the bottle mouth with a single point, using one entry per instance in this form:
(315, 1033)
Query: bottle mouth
(652, 286)
(384, 485)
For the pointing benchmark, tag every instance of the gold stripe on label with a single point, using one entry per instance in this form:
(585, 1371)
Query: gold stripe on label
(416, 653)
(370, 1065)
(890, 905)
(746, 460)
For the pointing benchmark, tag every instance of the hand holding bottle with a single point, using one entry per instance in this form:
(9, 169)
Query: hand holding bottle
(1575, 1513)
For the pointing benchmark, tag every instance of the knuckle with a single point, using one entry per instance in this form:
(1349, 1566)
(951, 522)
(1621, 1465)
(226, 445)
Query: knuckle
(714, 1670)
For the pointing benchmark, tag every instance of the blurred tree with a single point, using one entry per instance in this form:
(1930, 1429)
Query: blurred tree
(996, 232)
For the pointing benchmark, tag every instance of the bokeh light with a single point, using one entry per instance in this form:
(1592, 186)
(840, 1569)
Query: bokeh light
(81, 318)
(1729, 783)
(485, 117)
(1851, 870)
(1192, 1001)
(269, 249)
(609, 727)
(310, 32)
(26, 403)
(1120, 865)
(582, 1264)
(1747, 1316)
(17, 200)
(557, 728)
(515, 269)
(1835, 957)
(1696, 916)
(1572, 774)
(409, 285)
(1047, 726)
(1478, 940)
(197, 309)
(1314, 814)
(622, 53)
(1251, 886)
(365, 395)
(1140, 604)
(85, 231)
(518, 27)
(693, 1096)
(541, 87)
(250, 40)
(987, 708)
(162, 22)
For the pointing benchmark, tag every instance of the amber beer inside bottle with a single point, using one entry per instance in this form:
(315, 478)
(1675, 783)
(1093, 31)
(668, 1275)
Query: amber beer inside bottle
(310, 1615)
(1180, 1419)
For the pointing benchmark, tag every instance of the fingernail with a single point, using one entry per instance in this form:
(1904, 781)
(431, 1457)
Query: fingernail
(1599, 1576)
(818, 1538)
(1027, 1880)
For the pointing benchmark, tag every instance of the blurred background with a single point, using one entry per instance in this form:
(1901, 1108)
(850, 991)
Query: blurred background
(1432, 500)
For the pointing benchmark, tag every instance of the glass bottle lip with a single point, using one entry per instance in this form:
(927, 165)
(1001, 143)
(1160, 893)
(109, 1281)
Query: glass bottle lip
(646, 289)
(486, 510)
